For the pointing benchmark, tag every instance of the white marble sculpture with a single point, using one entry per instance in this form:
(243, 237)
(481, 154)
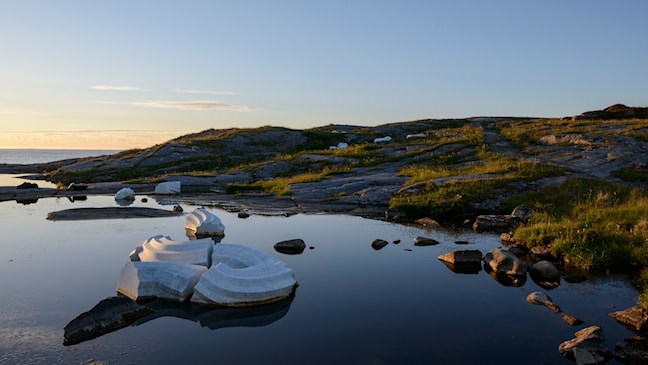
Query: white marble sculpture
(146, 280)
(125, 194)
(202, 222)
(168, 188)
(241, 276)
(382, 139)
(163, 248)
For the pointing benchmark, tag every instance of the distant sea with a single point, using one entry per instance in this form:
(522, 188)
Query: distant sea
(27, 156)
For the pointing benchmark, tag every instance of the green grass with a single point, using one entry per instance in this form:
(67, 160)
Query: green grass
(632, 174)
(281, 185)
(592, 225)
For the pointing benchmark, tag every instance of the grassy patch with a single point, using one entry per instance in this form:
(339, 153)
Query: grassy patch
(632, 174)
(281, 185)
(592, 225)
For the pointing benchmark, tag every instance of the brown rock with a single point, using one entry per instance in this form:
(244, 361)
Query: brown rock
(462, 257)
(588, 347)
(634, 317)
(428, 222)
(424, 241)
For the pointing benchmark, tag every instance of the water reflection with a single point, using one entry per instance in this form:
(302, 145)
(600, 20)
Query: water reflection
(505, 280)
(114, 313)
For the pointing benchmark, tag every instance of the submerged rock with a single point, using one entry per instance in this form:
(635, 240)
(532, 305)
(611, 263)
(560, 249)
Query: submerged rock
(203, 222)
(147, 280)
(543, 299)
(241, 276)
(545, 274)
(290, 247)
(107, 316)
(633, 350)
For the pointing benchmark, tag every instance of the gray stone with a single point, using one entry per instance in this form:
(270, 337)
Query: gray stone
(462, 257)
(540, 298)
(495, 223)
(378, 244)
(504, 262)
(544, 271)
(522, 212)
(290, 247)
(588, 347)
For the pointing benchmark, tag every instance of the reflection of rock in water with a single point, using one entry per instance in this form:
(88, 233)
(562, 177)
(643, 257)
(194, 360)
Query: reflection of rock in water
(27, 201)
(114, 313)
(506, 280)
(464, 268)
(107, 316)
(77, 198)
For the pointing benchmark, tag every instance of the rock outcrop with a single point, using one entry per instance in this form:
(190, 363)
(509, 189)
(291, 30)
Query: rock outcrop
(588, 347)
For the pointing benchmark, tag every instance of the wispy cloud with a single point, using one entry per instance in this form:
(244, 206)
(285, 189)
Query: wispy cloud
(208, 92)
(116, 88)
(194, 105)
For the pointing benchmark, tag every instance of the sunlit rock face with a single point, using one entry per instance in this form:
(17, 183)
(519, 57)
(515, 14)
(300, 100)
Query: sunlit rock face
(163, 248)
(202, 222)
(147, 280)
(168, 188)
(125, 194)
(241, 276)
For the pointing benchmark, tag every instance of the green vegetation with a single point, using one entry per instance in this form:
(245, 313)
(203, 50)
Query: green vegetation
(592, 225)
(281, 185)
(632, 174)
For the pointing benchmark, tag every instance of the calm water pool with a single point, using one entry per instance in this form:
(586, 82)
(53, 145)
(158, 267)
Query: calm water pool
(354, 305)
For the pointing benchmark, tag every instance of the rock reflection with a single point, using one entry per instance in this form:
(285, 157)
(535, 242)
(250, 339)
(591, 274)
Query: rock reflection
(506, 280)
(464, 268)
(117, 312)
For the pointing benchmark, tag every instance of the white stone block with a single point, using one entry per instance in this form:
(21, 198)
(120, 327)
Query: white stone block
(125, 194)
(203, 222)
(163, 248)
(146, 280)
(382, 139)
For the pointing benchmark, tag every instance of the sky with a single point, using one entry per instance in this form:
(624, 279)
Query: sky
(123, 74)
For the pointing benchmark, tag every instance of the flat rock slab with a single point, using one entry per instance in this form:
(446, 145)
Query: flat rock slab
(109, 213)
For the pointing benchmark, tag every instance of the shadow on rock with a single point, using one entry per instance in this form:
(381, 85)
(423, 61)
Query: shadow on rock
(117, 312)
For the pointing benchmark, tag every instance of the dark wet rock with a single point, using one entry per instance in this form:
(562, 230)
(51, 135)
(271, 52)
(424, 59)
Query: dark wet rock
(635, 318)
(290, 247)
(540, 298)
(633, 350)
(144, 200)
(27, 185)
(571, 320)
(377, 244)
(588, 347)
(109, 213)
(396, 242)
(177, 208)
(424, 241)
(243, 215)
(462, 257)
(27, 201)
(428, 222)
(462, 242)
(545, 274)
(519, 251)
(505, 263)
(495, 223)
(108, 315)
(542, 253)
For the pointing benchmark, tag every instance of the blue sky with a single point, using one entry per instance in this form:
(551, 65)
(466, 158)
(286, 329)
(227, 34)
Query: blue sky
(123, 74)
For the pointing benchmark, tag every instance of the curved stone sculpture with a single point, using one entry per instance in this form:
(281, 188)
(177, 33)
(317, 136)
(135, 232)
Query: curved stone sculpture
(202, 222)
(163, 248)
(147, 280)
(168, 188)
(241, 276)
(125, 194)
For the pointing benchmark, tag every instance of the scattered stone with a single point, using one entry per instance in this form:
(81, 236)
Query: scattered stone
(635, 318)
(495, 223)
(424, 241)
(77, 187)
(243, 215)
(633, 350)
(508, 239)
(396, 242)
(588, 347)
(504, 262)
(177, 208)
(377, 244)
(126, 194)
(571, 320)
(461, 242)
(311, 247)
(522, 212)
(290, 247)
(428, 222)
(27, 185)
(462, 257)
(382, 139)
(545, 274)
(540, 298)
(144, 200)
